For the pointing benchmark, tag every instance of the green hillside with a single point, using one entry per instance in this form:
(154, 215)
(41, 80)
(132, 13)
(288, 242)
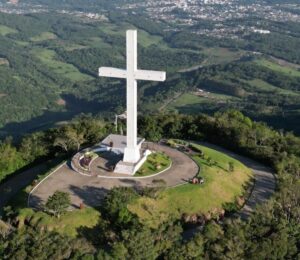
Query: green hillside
(49, 63)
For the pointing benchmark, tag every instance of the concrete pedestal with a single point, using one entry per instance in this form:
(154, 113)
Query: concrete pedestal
(131, 155)
(131, 168)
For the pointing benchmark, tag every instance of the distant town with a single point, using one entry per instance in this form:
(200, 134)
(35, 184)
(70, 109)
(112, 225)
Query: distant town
(194, 13)
(203, 17)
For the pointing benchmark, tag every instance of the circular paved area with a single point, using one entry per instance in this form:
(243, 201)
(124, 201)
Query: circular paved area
(91, 189)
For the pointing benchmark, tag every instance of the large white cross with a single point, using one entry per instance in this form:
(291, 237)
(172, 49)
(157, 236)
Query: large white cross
(132, 74)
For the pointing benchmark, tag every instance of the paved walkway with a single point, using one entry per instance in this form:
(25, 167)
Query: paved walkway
(11, 187)
(91, 189)
(264, 185)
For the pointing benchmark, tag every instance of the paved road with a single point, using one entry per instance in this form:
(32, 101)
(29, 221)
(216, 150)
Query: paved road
(18, 182)
(264, 185)
(263, 189)
(91, 189)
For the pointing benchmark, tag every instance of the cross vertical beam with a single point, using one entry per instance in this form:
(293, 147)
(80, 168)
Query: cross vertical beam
(131, 153)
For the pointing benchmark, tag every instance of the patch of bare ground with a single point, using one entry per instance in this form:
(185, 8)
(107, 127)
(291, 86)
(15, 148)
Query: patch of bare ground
(4, 61)
(61, 102)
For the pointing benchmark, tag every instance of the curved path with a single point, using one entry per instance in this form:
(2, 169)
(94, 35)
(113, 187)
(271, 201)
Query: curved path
(12, 186)
(265, 182)
(91, 189)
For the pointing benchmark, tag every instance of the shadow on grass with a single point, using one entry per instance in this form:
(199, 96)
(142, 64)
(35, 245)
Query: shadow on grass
(92, 234)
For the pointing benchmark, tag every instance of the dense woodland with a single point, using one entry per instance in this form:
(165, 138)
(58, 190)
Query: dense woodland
(272, 232)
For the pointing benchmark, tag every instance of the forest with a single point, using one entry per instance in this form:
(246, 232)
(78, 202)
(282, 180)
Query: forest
(272, 232)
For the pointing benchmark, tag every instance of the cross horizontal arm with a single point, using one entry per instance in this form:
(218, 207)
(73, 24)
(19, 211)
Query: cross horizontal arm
(150, 75)
(112, 72)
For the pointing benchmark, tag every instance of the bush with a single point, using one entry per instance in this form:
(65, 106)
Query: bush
(231, 166)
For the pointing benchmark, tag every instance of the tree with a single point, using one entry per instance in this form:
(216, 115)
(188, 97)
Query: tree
(29, 243)
(5, 229)
(231, 166)
(192, 249)
(58, 203)
(33, 146)
(69, 138)
(10, 159)
(150, 128)
(115, 206)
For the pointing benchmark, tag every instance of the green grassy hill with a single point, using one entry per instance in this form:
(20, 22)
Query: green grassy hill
(220, 186)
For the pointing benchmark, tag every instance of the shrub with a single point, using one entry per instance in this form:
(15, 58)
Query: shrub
(231, 166)
(58, 203)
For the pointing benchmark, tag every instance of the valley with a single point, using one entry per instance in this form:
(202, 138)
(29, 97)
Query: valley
(56, 54)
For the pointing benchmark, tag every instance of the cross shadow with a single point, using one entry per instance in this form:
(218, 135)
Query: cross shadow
(108, 161)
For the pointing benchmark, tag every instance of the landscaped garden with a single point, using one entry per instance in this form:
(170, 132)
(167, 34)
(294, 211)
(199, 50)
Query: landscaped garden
(86, 160)
(156, 162)
(225, 182)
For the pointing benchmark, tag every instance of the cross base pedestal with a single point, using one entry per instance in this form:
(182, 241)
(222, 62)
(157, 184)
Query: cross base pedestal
(123, 167)
(132, 155)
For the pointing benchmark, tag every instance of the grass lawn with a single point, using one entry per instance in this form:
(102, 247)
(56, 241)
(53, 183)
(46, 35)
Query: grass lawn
(21, 43)
(4, 30)
(189, 102)
(186, 99)
(144, 38)
(96, 42)
(64, 69)
(156, 162)
(276, 67)
(266, 87)
(220, 55)
(115, 29)
(67, 224)
(73, 46)
(221, 186)
(44, 36)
